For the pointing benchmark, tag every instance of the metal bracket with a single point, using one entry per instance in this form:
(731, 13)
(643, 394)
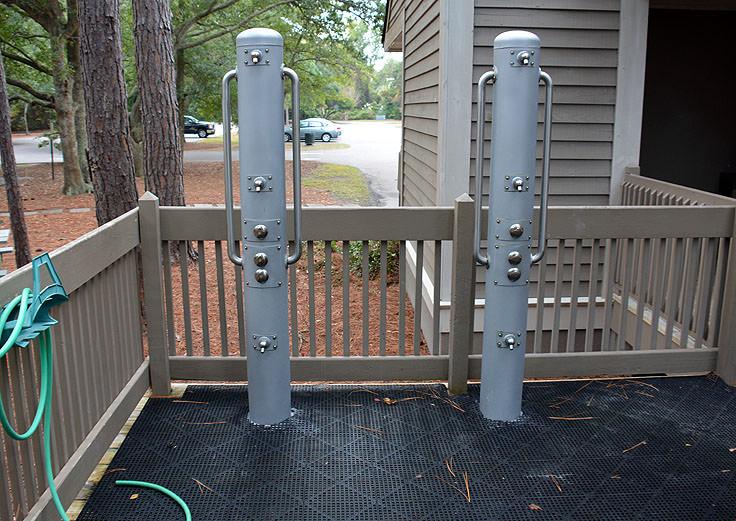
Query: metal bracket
(257, 57)
(509, 340)
(260, 183)
(263, 343)
(273, 232)
(516, 183)
(263, 276)
(521, 58)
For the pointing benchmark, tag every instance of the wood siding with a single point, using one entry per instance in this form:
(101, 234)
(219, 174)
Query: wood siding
(421, 19)
(579, 51)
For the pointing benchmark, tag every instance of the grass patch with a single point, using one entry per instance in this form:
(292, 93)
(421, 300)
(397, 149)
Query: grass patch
(346, 183)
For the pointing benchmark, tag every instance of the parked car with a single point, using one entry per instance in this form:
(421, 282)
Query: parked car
(202, 128)
(320, 128)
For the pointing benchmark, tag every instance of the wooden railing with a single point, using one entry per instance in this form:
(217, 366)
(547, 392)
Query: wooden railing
(625, 290)
(99, 370)
(647, 284)
(645, 191)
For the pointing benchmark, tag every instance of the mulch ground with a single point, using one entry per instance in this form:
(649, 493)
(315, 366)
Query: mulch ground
(54, 219)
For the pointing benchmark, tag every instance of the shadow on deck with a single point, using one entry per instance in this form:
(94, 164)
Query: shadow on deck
(660, 448)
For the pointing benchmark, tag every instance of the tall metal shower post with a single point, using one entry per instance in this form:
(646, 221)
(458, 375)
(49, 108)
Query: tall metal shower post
(263, 228)
(515, 77)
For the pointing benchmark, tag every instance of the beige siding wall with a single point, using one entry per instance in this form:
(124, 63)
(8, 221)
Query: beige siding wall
(421, 102)
(579, 50)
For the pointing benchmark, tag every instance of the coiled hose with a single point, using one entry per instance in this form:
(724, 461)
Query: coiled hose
(22, 302)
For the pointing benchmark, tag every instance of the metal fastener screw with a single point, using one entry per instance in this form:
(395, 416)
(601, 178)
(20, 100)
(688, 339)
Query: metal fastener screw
(498, 221)
(500, 333)
(511, 51)
(509, 177)
(278, 221)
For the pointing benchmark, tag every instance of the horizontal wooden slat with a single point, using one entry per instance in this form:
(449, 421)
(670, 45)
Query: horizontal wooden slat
(542, 365)
(588, 5)
(336, 368)
(566, 38)
(639, 222)
(333, 223)
(423, 223)
(551, 18)
(664, 361)
(556, 57)
(79, 260)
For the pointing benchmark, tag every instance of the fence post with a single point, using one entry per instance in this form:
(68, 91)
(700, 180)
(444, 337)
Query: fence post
(726, 367)
(153, 295)
(462, 297)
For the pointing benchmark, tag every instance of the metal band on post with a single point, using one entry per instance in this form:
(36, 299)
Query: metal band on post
(296, 165)
(542, 237)
(484, 79)
(227, 159)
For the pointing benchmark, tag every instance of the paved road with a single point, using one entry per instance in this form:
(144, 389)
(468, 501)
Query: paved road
(374, 149)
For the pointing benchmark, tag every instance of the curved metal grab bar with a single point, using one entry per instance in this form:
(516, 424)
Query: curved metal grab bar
(296, 166)
(545, 166)
(484, 79)
(227, 158)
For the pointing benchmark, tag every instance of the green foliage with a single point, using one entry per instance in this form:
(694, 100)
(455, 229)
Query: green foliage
(374, 258)
(355, 251)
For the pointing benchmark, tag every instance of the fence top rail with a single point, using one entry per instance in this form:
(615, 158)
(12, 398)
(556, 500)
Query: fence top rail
(319, 223)
(699, 197)
(640, 222)
(81, 259)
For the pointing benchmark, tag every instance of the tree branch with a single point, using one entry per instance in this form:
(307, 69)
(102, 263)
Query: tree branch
(37, 102)
(240, 25)
(42, 96)
(40, 13)
(27, 60)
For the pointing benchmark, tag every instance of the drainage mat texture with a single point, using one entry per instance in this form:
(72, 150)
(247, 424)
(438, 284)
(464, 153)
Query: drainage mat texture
(659, 448)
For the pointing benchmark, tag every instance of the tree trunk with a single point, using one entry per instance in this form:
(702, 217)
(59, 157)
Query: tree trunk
(110, 156)
(10, 174)
(25, 116)
(154, 55)
(181, 97)
(64, 103)
(80, 108)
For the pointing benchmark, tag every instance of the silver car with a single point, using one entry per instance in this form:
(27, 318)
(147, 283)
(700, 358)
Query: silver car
(322, 129)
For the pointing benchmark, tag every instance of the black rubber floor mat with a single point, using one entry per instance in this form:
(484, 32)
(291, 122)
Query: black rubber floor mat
(604, 450)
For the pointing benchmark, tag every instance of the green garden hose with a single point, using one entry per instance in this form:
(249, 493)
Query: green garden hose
(23, 302)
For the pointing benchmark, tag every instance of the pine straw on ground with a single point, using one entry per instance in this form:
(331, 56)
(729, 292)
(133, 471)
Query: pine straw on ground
(204, 184)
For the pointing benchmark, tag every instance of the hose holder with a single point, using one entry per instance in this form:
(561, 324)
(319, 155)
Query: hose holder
(37, 319)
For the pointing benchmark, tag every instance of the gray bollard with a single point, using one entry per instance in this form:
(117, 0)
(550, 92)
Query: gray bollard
(515, 78)
(264, 257)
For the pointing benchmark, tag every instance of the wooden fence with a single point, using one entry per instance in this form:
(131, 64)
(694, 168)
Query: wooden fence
(100, 373)
(647, 289)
